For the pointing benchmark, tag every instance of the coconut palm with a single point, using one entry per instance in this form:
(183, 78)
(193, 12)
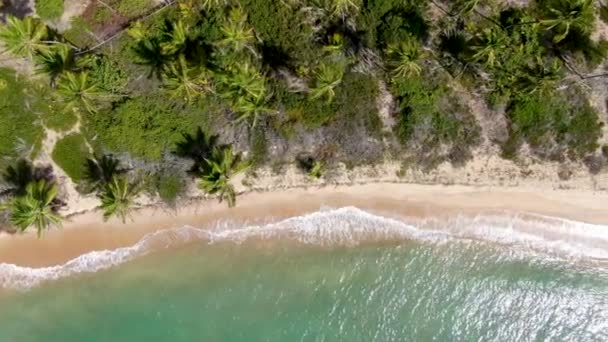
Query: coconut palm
(343, 8)
(404, 58)
(243, 81)
(539, 79)
(210, 4)
(251, 110)
(174, 38)
(118, 198)
(58, 59)
(327, 78)
(217, 172)
(100, 171)
(237, 34)
(184, 81)
(465, 7)
(77, 90)
(491, 42)
(35, 207)
(565, 15)
(24, 37)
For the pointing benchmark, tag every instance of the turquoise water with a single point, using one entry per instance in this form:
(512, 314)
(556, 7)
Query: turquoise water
(365, 283)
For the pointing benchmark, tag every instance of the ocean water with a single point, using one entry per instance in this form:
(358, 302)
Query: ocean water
(334, 275)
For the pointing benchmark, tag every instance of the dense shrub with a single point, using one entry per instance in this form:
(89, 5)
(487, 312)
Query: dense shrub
(49, 9)
(144, 127)
(432, 123)
(554, 127)
(170, 185)
(71, 154)
(20, 108)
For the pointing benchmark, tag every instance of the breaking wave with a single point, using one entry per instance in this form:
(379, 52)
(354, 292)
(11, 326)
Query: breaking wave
(349, 226)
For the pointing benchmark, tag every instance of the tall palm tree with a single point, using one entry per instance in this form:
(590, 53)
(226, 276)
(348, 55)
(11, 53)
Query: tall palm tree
(343, 8)
(491, 42)
(237, 34)
(35, 207)
(184, 81)
(251, 110)
(217, 172)
(24, 37)
(118, 198)
(565, 15)
(243, 81)
(327, 78)
(77, 90)
(58, 59)
(174, 38)
(404, 58)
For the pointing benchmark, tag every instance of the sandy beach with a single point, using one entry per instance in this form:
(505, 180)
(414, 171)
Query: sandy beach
(86, 232)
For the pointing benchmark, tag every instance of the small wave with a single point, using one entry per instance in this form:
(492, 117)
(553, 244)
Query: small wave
(347, 226)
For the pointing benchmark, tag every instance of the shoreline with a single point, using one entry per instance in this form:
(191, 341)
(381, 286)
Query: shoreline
(86, 232)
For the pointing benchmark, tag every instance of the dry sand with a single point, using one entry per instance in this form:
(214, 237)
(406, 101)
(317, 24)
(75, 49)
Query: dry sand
(85, 232)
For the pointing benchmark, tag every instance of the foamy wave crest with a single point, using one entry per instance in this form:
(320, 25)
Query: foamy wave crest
(347, 227)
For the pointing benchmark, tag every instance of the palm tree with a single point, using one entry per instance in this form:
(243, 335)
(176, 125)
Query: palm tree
(342, 8)
(327, 78)
(35, 207)
(404, 58)
(210, 4)
(174, 38)
(58, 59)
(24, 37)
(251, 109)
(236, 33)
(118, 198)
(244, 80)
(217, 171)
(77, 90)
(491, 43)
(565, 15)
(184, 81)
(100, 171)
(465, 7)
(539, 79)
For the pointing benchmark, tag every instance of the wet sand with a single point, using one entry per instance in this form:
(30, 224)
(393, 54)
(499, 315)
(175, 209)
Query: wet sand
(87, 232)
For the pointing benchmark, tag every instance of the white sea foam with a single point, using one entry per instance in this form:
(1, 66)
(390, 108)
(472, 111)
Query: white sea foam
(347, 226)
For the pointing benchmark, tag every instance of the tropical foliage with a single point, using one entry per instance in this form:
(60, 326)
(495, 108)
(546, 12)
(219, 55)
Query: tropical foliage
(35, 208)
(118, 198)
(217, 172)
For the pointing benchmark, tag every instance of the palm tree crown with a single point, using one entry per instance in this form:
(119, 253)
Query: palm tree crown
(217, 172)
(35, 207)
(24, 37)
(77, 90)
(118, 198)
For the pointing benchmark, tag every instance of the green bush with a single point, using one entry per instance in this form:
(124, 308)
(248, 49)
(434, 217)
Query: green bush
(71, 154)
(20, 107)
(433, 124)
(170, 186)
(132, 8)
(554, 127)
(145, 127)
(60, 119)
(79, 33)
(49, 9)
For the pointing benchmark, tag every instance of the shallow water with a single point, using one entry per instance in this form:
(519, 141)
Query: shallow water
(342, 275)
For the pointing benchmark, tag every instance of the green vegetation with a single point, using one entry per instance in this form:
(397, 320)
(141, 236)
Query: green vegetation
(196, 84)
(35, 208)
(118, 198)
(20, 108)
(71, 154)
(49, 9)
(217, 171)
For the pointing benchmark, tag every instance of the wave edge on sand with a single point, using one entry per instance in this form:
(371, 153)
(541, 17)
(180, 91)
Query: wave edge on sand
(347, 226)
